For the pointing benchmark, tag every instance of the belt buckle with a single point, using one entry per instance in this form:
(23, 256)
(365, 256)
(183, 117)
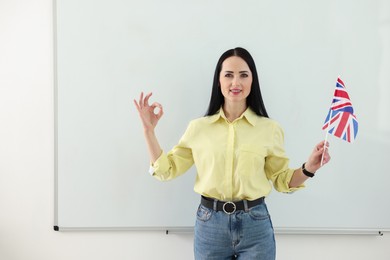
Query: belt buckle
(227, 211)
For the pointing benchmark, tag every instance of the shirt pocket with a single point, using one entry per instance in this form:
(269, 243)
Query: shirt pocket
(250, 158)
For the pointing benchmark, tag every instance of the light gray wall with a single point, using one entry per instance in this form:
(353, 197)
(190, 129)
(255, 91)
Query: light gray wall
(27, 175)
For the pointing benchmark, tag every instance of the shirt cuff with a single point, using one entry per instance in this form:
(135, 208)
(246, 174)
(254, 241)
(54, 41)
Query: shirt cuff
(160, 166)
(288, 179)
(151, 170)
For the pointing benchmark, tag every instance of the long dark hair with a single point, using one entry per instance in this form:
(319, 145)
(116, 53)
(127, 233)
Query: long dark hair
(254, 100)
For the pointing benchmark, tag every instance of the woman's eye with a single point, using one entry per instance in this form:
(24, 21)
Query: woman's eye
(244, 75)
(228, 75)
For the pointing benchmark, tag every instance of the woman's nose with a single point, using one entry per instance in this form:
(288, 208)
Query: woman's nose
(236, 81)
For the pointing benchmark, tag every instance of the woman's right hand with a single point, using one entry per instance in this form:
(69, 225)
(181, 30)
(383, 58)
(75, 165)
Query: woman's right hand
(147, 112)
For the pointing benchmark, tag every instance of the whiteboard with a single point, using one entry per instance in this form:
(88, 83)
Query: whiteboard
(107, 52)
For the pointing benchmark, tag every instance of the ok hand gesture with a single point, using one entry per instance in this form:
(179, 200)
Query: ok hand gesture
(147, 112)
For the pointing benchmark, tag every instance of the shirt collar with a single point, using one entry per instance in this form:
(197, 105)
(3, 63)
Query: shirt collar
(248, 114)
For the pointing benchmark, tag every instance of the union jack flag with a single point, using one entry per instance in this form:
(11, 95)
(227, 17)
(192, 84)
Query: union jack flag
(341, 121)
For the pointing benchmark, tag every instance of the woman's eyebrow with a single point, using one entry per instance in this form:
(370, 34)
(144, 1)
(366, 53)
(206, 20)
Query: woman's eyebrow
(243, 71)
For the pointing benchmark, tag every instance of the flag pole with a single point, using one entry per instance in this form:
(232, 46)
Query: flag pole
(325, 147)
(327, 132)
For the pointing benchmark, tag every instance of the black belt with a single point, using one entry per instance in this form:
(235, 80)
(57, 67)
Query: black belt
(229, 207)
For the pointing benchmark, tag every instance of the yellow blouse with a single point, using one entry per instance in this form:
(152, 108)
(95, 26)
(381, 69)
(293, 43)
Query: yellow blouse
(234, 160)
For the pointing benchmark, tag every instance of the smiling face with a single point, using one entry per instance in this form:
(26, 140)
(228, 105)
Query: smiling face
(235, 80)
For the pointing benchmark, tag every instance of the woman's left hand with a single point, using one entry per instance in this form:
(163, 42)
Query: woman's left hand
(320, 153)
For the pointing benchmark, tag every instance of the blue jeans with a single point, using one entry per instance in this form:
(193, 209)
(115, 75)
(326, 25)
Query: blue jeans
(241, 235)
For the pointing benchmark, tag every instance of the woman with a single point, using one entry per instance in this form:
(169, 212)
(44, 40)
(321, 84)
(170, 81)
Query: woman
(237, 151)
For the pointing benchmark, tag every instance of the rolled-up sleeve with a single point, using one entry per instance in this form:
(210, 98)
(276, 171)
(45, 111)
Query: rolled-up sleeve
(176, 162)
(277, 164)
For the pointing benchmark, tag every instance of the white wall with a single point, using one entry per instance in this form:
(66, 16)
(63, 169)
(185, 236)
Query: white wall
(27, 166)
